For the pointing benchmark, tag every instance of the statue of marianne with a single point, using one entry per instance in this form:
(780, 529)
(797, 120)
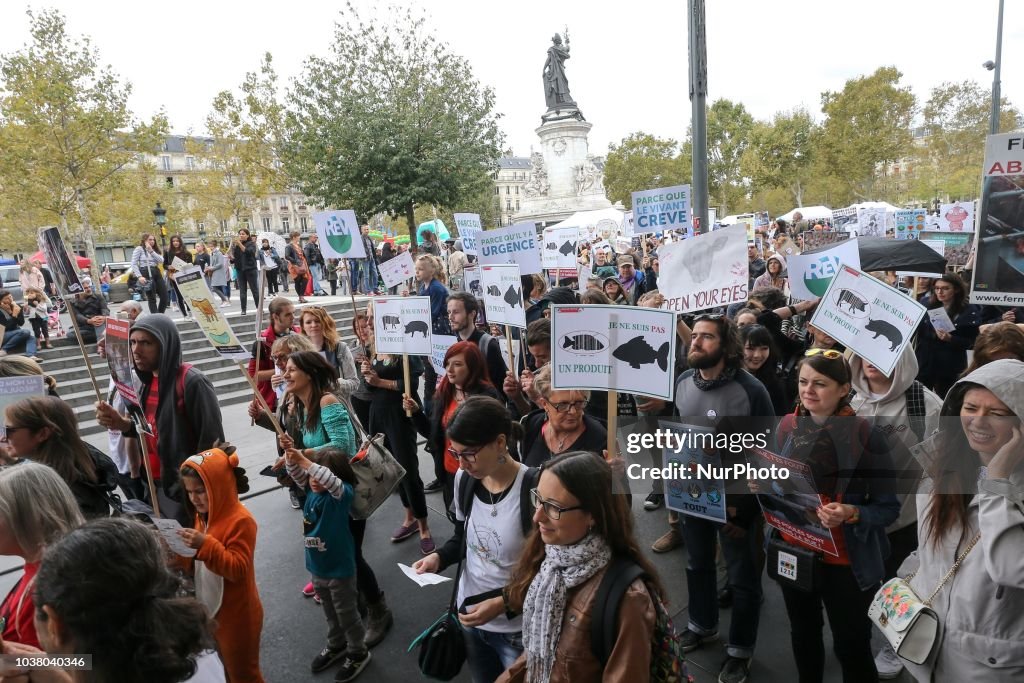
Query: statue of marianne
(556, 85)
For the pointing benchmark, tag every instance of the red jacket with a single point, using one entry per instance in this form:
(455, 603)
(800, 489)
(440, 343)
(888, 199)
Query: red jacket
(266, 389)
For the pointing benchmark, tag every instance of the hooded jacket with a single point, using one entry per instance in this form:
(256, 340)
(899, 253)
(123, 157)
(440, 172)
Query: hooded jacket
(981, 609)
(227, 556)
(555, 295)
(891, 415)
(199, 425)
(764, 280)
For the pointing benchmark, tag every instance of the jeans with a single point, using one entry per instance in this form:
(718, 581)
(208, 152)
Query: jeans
(489, 653)
(271, 281)
(317, 272)
(847, 608)
(341, 607)
(744, 574)
(364, 275)
(13, 339)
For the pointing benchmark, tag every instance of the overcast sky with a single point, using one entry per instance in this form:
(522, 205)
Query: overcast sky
(628, 69)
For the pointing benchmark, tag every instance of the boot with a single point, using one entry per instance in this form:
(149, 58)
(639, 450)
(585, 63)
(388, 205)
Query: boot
(379, 621)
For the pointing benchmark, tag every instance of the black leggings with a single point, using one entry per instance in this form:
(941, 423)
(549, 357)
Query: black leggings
(181, 300)
(157, 290)
(40, 328)
(400, 438)
(300, 285)
(271, 281)
(250, 278)
(366, 580)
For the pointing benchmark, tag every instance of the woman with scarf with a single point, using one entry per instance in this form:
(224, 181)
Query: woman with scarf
(773, 274)
(582, 527)
(849, 462)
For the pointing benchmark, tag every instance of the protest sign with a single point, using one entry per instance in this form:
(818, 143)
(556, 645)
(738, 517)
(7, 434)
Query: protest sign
(938, 246)
(621, 348)
(811, 274)
(691, 494)
(705, 271)
(999, 261)
(471, 278)
(503, 295)
(209, 317)
(514, 244)
(791, 504)
(868, 317)
(401, 324)
(469, 227)
(910, 223)
(119, 359)
(586, 271)
(627, 225)
(560, 247)
(812, 239)
(339, 234)
(439, 345)
(63, 269)
(871, 221)
(666, 208)
(957, 217)
(13, 389)
(548, 250)
(957, 245)
(844, 220)
(397, 270)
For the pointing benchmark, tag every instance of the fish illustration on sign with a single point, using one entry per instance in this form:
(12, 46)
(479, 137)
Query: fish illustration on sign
(512, 297)
(567, 248)
(551, 246)
(637, 352)
(584, 342)
(493, 290)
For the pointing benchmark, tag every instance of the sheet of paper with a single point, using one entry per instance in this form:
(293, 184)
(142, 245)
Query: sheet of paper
(422, 579)
(940, 320)
(169, 530)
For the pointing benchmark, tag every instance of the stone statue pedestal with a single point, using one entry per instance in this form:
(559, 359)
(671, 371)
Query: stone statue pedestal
(564, 177)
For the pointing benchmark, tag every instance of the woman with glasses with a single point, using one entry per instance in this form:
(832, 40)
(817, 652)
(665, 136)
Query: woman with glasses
(941, 354)
(582, 526)
(489, 536)
(146, 262)
(853, 473)
(465, 376)
(561, 424)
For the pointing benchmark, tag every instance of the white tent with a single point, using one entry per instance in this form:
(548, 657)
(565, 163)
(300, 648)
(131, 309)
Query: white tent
(590, 220)
(810, 213)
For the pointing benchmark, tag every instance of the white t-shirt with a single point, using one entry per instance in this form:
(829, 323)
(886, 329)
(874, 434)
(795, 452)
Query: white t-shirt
(493, 546)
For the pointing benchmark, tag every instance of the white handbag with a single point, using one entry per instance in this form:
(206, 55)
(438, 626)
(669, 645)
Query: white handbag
(907, 622)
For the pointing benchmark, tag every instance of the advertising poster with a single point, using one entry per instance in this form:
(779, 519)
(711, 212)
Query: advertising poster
(999, 260)
(957, 217)
(869, 317)
(397, 270)
(667, 208)
(503, 295)
(13, 389)
(119, 359)
(871, 221)
(339, 234)
(63, 269)
(705, 271)
(694, 496)
(401, 324)
(210, 317)
(790, 505)
(910, 223)
(514, 244)
(613, 347)
(811, 274)
(957, 245)
(469, 228)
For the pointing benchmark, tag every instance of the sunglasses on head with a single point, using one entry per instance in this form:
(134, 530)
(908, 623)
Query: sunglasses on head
(830, 354)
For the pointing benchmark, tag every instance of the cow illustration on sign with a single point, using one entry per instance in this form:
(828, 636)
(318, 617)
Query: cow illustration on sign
(698, 261)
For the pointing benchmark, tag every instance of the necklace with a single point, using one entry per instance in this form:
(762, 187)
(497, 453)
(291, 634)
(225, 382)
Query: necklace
(494, 499)
(561, 442)
(494, 503)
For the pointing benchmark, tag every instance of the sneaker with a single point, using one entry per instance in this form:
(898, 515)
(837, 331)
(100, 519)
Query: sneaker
(327, 658)
(888, 663)
(734, 670)
(654, 501)
(308, 590)
(317, 600)
(225, 304)
(351, 668)
(294, 498)
(432, 487)
(427, 546)
(691, 640)
(403, 532)
(671, 540)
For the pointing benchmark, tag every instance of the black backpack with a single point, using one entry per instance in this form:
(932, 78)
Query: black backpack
(467, 492)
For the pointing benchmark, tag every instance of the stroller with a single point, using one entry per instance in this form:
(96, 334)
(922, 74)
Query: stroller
(53, 322)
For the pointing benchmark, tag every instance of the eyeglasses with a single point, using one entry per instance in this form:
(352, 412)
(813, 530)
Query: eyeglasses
(551, 510)
(279, 358)
(469, 454)
(943, 289)
(8, 430)
(831, 354)
(566, 406)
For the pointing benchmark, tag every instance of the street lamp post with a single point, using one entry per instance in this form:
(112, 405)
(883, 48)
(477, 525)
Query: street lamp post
(996, 68)
(160, 216)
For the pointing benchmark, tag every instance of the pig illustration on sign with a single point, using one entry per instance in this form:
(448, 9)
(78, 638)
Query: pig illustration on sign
(205, 307)
(852, 300)
(417, 326)
(392, 321)
(887, 330)
(638, 352)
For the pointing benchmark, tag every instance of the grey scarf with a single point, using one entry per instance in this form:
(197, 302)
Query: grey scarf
(564, 567)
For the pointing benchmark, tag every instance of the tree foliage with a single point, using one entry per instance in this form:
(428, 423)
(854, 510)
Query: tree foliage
(389, 120)
(781, 153)
(65, 128)
(644, 162)
(729, 129)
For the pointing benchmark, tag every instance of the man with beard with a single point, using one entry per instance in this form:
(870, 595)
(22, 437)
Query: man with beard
(717, 393)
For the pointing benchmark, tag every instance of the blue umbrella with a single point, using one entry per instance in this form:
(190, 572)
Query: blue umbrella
(435, 226)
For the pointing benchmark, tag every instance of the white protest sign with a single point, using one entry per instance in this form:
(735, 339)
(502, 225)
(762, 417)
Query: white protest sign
(561, 244)
(469, 227)
(602, 245)
(401, 324)
(514, 244)
(957, 217)
(339, 234)
(627, 224)
(871, 221)
(910, 223)
(666, 208)
(548, 250)
(210, 317)
(613, 347)
(869, 317)
(586, 272)
(13, 389)
(439, 345)
(471, 280)
(503, 295)
(622, 244)
(940, 248)
(811, 274)
(397, 270)
(705, 271)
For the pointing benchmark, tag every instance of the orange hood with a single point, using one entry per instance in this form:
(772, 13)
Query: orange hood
(217, 470)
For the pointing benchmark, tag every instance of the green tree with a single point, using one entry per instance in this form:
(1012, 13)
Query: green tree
(781, 154)
(644, 162)
(66, 127)
(867, 123)
(390, 120)
(729, 129)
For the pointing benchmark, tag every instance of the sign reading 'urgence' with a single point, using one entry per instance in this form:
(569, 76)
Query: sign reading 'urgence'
(469, 228)
(503, 295)
(613, 347)
(514, 244)
(401, 324)
(667, 208)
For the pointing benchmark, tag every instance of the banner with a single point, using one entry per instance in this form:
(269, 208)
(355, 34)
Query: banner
(469, 228)
(13, 389)
(397, 270)
(811, 274)
(503, 295)
(694, 496)
(910, 223)
(998, 267)
(868, 317)
(613, 347)
(209, 316)
(401, 324)
(514, 244)
(666, 208)
(957, 217)
(439, 345)
(871, 221)
(705, 271)
(63, 269)
(957, 245)
(339, 234)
